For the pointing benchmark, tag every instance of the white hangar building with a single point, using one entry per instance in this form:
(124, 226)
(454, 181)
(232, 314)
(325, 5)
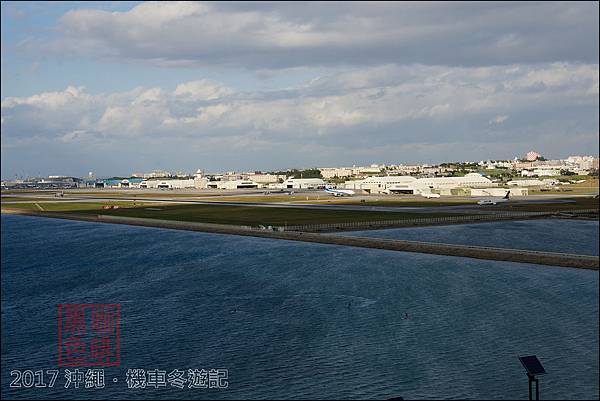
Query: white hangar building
(303, 183)
(411, 185)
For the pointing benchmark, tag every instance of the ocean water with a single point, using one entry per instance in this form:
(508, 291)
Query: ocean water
(295, 321)
(552, 235)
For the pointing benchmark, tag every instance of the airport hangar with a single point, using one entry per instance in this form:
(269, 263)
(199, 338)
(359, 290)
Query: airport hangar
(473, 184)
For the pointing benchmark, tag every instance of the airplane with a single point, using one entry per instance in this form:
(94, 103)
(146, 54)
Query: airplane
(339, 192)
(429, 195)
(494, 201)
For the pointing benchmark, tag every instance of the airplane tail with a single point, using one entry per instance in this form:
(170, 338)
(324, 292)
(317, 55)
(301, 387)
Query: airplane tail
(507, 195)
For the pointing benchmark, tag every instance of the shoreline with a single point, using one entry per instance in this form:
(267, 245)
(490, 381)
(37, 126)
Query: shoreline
(476, 252)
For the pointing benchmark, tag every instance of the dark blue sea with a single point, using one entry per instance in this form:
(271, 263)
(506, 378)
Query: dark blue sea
(551, 235)
(293, 320)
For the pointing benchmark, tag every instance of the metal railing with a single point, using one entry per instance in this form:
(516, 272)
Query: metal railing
(426, 220)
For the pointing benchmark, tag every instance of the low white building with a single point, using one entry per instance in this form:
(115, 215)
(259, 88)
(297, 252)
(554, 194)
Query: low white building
(372, 169)
(264, 179)
(304, 183)
(168, 184)
(540, 173)
(499, 191)
(581, 162)
(471, 180)
(527, 183)
(387, 184)
(235, 184)
(411, 185)
(328, 172)
(200, 182)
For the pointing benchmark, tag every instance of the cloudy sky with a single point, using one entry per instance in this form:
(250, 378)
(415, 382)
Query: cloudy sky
(121, 87)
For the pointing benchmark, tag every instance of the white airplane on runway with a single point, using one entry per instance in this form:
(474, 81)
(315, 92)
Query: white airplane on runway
(338, 192)
(429, 195)
(494, 201)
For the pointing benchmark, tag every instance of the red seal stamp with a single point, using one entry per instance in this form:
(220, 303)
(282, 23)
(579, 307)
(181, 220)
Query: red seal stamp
(89, 335)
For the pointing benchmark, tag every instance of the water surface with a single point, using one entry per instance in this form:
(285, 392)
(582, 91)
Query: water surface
(295, 320)
(552, 235)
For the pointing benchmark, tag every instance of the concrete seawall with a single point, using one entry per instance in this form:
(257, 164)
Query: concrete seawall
(477, 252)
(432, 221)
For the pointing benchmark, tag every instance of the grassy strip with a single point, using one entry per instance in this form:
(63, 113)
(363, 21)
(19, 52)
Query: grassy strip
(566, 191)
(68, 206)
(32, 199)
(25, 199)
(242, 215)
(321, 198)
(407, 202)
(580, 203)
(137, 194)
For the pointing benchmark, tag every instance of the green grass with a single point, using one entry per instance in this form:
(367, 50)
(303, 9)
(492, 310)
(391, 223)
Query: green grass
(20, 191)
(577, 203)
(566, 191)
(407, 203)
(65, 206)
(254, 216)
(589, 187)
(249, 215)
(23, 199)
(137, 194)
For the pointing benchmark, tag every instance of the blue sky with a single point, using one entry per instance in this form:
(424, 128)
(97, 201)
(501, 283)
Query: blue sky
(26, 74)
(118, 87)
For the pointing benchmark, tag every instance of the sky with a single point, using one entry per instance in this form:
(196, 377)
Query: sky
(122, 87)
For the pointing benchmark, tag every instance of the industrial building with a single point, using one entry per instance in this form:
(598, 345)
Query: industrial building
(540, 172)
(498, 191)
(337, 172)
(533, 183)
(411, 185)
(119, 183)
(52, 182)
(303, 183)
(232, 184)
(386, 185)
(168, 184)
(261, 178)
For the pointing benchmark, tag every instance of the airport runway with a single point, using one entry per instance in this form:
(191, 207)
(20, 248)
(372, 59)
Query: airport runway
(471, 209)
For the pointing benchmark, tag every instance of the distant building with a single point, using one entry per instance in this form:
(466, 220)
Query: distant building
(235, 184)
(119, 183)
(168, 184)
(387, 184)
(527, 183)
(412, 185)
(304, 183)
(265, 178)
(581, 163)
(341, 172)
(540, 172)
(130, 183)
(157, 174)
(532, 156)
(373, 169)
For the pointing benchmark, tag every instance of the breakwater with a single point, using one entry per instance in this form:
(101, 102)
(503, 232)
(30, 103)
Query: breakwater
(477, 252)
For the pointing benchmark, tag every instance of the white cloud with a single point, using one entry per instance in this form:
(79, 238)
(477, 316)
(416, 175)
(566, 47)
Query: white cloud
(74, 136)
(51, 100)
(364, 107)
(201, 90)
(280, 35)
(498, 120)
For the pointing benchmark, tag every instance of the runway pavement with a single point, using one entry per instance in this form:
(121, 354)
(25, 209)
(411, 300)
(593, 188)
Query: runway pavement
(471, 209)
